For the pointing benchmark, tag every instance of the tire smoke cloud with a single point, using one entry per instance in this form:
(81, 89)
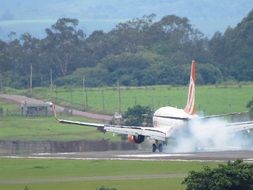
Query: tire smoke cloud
(209, 135)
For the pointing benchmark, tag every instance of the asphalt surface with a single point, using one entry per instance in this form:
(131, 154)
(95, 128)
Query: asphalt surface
(246, 155)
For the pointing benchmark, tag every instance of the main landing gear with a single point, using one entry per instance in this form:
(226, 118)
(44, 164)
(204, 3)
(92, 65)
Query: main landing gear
(157, 146)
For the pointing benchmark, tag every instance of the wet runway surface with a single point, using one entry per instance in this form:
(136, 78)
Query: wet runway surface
(246, 155)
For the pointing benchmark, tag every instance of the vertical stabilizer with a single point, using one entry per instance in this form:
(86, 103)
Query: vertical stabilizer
(190, 106)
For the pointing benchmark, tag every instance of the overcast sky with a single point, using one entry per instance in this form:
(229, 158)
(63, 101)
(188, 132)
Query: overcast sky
(34, 16)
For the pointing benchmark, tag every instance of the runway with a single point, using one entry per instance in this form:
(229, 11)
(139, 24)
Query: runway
(246, 155)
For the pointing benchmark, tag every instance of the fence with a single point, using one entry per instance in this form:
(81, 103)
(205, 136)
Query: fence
(110, 100)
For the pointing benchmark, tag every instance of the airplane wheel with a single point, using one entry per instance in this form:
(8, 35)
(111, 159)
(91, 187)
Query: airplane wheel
(154, 147)
(160, 147)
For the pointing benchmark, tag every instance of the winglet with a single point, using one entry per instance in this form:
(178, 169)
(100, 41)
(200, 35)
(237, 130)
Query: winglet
(190, 106)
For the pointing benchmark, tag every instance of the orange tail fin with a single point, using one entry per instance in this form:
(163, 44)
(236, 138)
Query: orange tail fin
(190, 106)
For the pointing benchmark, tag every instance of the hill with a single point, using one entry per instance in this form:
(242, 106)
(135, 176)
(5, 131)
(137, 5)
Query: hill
(26, 16)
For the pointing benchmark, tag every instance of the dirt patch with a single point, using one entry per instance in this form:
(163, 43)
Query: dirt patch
(4, 100)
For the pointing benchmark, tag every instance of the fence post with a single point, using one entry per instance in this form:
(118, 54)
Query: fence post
(103, 100)
(119, 93)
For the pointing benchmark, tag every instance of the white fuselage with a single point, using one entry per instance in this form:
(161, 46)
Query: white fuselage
(170, 118)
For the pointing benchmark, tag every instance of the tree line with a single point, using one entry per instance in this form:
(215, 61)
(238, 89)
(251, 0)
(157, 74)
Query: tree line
(141, 51)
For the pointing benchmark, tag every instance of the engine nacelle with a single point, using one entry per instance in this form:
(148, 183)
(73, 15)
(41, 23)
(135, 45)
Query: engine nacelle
(136, 139)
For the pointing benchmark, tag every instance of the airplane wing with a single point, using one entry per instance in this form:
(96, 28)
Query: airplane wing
(80, 123)
(222, 115)
(236, 126)
(240, 126)
(152, 133)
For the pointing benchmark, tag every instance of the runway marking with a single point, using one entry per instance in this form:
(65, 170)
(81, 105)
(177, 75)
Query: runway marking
(152, 155)
(58, 153)
(87, 158)
(142, 156)
(248, 160)
(112, 159)
(92, 178)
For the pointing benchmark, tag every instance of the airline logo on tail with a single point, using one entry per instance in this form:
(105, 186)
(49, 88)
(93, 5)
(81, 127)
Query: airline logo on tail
(190, 106)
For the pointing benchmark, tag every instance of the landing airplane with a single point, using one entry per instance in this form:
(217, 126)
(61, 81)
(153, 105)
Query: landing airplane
(166, 122)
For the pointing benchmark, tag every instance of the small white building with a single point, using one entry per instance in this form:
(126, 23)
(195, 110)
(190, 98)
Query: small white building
(31, 109)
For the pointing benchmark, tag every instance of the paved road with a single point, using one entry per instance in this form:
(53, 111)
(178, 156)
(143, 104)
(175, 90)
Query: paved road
(21, 99)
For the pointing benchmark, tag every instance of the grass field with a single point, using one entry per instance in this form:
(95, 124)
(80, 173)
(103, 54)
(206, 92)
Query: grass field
(146, 184)
(15, 127)
(41, 128)
(15, 174)
(209, 99)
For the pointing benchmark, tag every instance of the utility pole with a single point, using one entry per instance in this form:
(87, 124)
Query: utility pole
(103, 99)
(51, 80)
(119, 93)
(31, 78)
(56, 95)
(71, 96)
(1, 82)
(85, 92)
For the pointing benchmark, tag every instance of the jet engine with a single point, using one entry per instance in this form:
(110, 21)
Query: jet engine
(136, 139)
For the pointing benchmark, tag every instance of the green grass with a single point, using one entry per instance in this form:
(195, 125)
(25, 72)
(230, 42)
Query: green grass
(9, 108)
(47, 128)
(147, 184)
(15, 127)
(29, 169)
(209, 99)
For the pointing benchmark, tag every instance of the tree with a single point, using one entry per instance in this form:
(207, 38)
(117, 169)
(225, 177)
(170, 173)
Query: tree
(232, 176)
(232, 52)
(137, 115)
(208, 74)
(130, 35)
(176, 38)
(29, 56)
(141, 51)
(250, 105)
(126, 67)
(62, 43)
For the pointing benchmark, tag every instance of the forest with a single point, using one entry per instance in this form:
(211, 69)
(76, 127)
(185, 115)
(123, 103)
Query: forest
(141, 51)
